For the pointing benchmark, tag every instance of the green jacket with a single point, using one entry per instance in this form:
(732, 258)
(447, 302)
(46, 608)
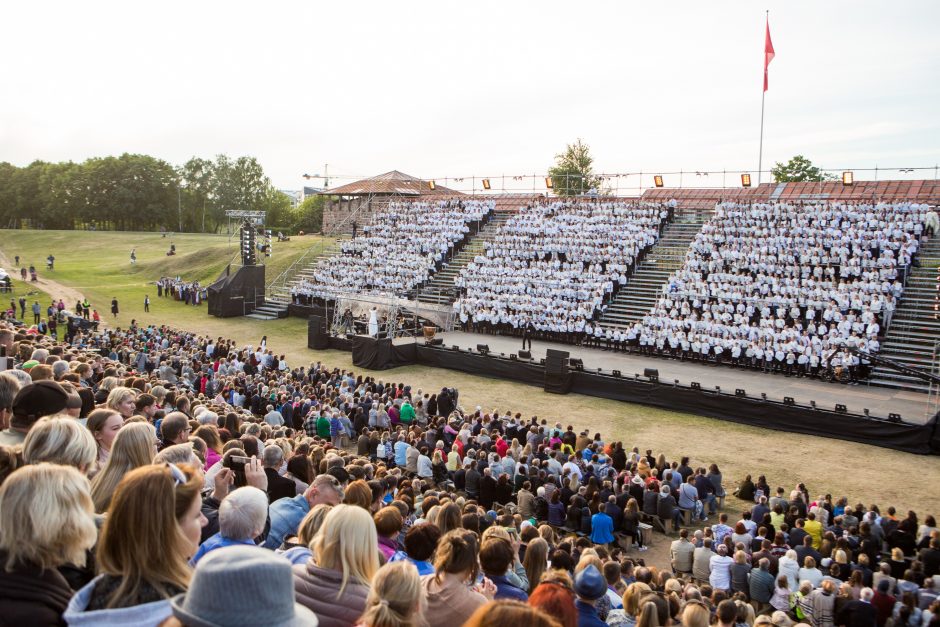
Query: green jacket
(323, 427)
(407, 413)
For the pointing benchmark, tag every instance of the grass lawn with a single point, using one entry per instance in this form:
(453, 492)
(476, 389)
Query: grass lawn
(97, 264)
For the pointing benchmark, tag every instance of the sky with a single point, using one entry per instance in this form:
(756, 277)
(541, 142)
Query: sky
(450, 90)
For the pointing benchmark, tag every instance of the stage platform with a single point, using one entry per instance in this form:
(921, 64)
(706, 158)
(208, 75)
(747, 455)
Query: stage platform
(913, 407)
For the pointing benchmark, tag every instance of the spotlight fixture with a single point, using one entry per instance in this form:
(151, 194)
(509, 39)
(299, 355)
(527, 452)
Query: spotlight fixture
(763, 396)
(717, 389)
(739, 392)
(617, 374)
(745, 180)
(867, 412)
(658, 180)
(840, 408)
(788, 400)
(486, 183)
(549, 183)
(812, 404)
(848, 178)
(697, 386)
(432, 185)
(894, 417)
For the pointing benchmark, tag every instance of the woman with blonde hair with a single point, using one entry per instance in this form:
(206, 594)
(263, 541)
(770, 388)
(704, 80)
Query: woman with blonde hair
(695, 614)
(298, 551)
(60, 440)
(134, 446)
(104, 425)
(395, 599)
(152, 529)
(46, 521)
(335, 583)
(122, 400)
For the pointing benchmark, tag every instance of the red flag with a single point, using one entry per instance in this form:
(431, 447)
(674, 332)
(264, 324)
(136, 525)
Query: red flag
(768, 53)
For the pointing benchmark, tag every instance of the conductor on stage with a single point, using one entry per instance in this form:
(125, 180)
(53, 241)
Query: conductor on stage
(527, 329)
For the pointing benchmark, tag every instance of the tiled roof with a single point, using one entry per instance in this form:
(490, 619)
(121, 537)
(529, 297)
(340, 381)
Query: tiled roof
(391, 183)
(919, 190)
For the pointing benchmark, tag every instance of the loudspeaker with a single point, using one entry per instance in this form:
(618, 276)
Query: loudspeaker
(317, 336)
(651, 373)
(483, 348)
(525, 354)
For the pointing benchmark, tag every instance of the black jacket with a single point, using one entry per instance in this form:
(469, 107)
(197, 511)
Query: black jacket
(279, 487)
(30, 596)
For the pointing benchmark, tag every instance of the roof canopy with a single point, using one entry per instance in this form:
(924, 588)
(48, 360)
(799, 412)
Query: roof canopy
(391, 183)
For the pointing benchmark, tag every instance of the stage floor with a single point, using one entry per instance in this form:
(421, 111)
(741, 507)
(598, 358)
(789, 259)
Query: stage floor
(913, 407)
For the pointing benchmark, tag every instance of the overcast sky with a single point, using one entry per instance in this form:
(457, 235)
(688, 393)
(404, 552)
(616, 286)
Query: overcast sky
(461, 89)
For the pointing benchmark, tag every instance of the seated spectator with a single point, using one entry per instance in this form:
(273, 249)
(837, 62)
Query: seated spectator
(395, 598)
(46, 521)
(335, 583)
(240, 585)
(134, 446)
(151, 531)
(242, 516)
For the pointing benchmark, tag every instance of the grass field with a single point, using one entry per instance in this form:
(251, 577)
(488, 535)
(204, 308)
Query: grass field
(97, 264)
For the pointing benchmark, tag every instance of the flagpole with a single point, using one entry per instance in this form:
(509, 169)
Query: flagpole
(760, 154)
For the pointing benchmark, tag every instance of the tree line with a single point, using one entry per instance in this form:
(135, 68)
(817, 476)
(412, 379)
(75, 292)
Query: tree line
(138, 193)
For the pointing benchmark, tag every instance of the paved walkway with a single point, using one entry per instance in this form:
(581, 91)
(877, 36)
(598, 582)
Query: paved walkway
(912, 406)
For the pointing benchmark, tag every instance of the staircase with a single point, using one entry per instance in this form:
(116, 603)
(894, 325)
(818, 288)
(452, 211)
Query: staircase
(278, 291)
(915, 328)
(439, 289)
(644, 287)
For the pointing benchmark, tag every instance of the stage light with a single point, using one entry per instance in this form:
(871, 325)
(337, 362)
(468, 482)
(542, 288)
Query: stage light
(600, 370)
(658, 180)
(867, 412)
(549, 183)
(432, 185)
(513, 357)
(745, 180)
(576, 363)
(840, 408)
(483, 348)
(697, 386)
(486, 183)
(675, 382)
(812, 404)
(763, 396)
(788, 400)
(718, 389)
(617, 374)
(454, 347)
(740, 392)
(894, 417)
(848, 178)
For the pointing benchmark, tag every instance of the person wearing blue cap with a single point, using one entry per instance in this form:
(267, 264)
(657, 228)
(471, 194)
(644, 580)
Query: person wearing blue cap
(590, 586)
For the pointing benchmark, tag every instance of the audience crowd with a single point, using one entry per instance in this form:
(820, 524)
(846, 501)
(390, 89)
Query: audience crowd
(151, 476)
(554, 265)
(396, 253)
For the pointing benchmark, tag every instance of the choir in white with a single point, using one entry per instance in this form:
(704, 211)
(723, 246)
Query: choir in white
(396, 253)
(784, 288)
(553, 266)
(775, 286)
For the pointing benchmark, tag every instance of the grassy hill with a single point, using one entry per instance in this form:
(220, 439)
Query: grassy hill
(97, 263)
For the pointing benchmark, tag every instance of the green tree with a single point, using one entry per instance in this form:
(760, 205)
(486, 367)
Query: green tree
(197, 178)
(573, 172)
(277, 204)
(308, 216)
(797, 170)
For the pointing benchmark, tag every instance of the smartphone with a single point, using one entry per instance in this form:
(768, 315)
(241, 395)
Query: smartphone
(237, 464)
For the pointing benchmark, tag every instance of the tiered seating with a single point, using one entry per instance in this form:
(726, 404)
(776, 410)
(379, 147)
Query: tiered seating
(786, 286)
(555, 265)
(396, 253)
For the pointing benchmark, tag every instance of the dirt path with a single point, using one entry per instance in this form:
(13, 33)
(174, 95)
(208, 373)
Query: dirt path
(55, 289)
